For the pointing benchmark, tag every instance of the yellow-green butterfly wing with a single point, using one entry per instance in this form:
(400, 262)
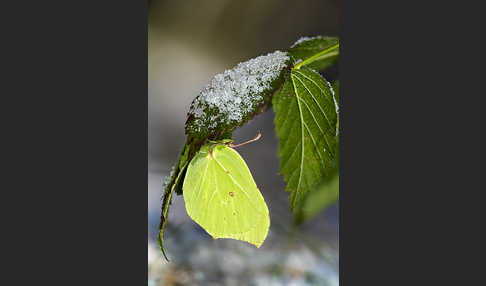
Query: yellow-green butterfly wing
(222, 197)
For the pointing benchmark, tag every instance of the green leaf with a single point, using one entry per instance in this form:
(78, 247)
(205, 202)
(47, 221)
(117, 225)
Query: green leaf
(305, 124)
(325, 194)
(316, 53)
(173, 184)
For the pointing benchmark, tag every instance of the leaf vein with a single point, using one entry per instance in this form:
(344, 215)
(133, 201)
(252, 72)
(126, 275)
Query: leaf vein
(302, 137)
(322, 110)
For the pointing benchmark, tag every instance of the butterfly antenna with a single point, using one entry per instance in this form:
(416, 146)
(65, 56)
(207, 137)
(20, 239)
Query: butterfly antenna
(249, 141)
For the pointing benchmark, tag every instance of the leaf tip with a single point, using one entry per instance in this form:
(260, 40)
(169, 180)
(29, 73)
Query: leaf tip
(160, 238)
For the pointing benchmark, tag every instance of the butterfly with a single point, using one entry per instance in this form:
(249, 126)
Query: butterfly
(221, 196)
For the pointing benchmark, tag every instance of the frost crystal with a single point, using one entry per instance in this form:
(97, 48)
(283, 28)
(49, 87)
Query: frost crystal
(303, 39)
(233, 95)
(333, 96)
(167, 178)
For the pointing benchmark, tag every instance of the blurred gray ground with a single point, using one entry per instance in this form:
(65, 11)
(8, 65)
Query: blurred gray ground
(190, 42)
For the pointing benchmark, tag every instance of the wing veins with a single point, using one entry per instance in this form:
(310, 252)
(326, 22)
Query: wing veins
(202, 181)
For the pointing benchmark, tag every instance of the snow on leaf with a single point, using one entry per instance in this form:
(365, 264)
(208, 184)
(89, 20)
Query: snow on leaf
(305, 39)
(234, 95)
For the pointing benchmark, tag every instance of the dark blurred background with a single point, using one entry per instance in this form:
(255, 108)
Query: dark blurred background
(189, 42)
